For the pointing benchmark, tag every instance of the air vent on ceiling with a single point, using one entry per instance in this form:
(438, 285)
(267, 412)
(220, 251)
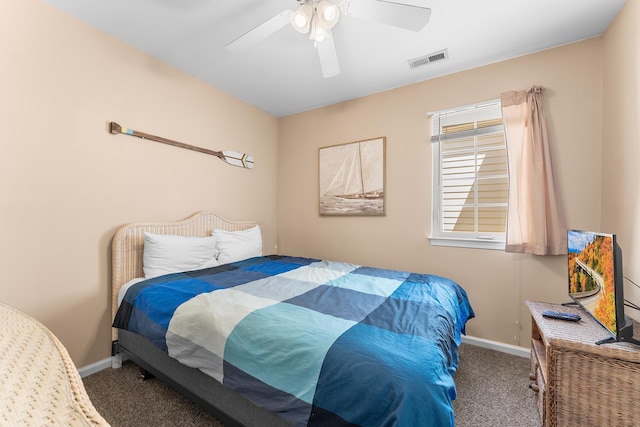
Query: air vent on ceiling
(428, 59)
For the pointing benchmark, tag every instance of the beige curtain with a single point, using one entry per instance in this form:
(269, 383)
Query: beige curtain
(535, 219)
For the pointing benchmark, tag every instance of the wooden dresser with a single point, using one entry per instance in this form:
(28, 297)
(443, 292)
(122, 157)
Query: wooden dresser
(579, 383)
(39, 384)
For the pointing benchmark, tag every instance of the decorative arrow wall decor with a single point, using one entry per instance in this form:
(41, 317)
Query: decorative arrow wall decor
(232, 157)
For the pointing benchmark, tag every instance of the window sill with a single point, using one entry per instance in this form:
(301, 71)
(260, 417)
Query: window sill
(496, 245)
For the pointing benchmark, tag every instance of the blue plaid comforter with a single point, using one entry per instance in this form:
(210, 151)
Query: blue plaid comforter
(317, 342)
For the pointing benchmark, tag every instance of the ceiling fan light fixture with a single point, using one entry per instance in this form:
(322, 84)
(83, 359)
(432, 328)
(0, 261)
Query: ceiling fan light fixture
(301, 18)
(318, 33)
(328, 14)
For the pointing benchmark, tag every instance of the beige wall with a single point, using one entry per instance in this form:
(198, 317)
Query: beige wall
(67, 185)
(621, 142)
(497, 282)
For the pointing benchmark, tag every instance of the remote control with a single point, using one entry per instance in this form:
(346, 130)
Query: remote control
(560, 315)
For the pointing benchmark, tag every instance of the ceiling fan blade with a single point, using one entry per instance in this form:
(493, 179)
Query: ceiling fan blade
(401, 15)
(328, 57)
(260, 32)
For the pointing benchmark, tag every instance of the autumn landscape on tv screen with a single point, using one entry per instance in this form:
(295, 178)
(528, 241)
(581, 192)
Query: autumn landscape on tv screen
(591, 275)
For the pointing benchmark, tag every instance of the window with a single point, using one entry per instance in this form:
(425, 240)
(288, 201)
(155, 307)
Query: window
(470, 177)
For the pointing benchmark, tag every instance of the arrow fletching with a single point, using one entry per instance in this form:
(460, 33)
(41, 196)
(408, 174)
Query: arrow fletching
(238, 159)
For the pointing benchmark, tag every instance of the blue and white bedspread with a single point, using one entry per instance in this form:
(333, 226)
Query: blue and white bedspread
(319, 343)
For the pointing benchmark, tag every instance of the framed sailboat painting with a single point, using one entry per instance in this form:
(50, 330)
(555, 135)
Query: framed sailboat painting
(352, 178)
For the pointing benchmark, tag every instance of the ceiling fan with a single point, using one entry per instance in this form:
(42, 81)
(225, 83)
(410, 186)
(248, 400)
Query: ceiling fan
(318, 17)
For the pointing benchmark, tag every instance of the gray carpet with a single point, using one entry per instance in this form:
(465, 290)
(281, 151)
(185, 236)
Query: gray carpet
(492, 391)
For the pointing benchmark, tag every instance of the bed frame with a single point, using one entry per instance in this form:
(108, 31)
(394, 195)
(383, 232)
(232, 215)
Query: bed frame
(228, 406)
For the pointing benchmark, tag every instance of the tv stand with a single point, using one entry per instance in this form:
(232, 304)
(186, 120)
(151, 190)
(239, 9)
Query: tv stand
(570, 304)
(612, 340)
(576, 381)
(625, 335)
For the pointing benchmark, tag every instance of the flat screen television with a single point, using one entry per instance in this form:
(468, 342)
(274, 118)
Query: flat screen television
(596, 281)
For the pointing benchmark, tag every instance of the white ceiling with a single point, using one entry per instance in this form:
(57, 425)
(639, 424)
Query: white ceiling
(281, 75)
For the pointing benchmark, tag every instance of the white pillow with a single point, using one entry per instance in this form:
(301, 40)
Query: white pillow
(238, 245)
(165, 254)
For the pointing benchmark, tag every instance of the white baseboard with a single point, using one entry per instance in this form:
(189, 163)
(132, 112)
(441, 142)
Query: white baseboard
(498, 346)
(85, 371)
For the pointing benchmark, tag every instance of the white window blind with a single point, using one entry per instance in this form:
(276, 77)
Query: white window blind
(470, 180)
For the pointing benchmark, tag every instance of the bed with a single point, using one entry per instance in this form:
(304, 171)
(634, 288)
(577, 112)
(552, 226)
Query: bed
(276, 340)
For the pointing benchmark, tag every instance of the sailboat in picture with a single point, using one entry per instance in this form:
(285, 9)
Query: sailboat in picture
(352, 178)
